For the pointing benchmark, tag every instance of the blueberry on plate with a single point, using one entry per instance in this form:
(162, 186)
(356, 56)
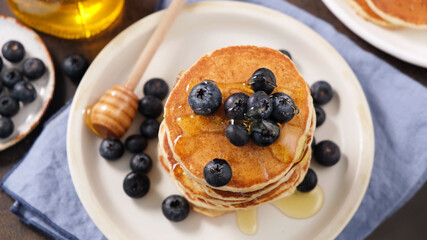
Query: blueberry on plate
(263, 79)
(111, 149)
(320, 115)
(237, 133)
(10, 77)
(150, 106)
(284, 108)
(150, 128)
(136, 184)
(24, 92)
(264, 132)
(33, 68)
(74, 66)
(287, 53)
(327, 153)
(6, 127)
(13, 51)
(309, 182)
(136, 143)
(217, 172)
(156, 87)
(235, 106)
(205, 98)
(9, 106)
(321, 92)
(260, 106)
(175, 208)
(141, 162)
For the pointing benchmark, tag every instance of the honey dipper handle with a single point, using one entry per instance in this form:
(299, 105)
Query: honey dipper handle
(153, 43)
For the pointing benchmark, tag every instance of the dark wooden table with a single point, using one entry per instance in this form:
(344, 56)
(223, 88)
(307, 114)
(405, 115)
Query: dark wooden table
(407, 223)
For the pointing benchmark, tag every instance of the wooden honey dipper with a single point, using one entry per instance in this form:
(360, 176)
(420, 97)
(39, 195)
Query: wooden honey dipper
(113, 114)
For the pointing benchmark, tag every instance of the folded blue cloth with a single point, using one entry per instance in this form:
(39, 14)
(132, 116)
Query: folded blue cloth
(45, 197)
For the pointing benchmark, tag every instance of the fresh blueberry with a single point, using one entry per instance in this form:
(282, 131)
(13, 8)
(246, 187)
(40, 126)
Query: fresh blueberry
(175, 208)
(235, 106)
(237, 133)
(24, 92)
(263, 79)
(284, 108)
(313, 143)
(327, 153)
(111, 149)
(141, 162)
(260, 106)
(136, 184)
(264, 132)
(74, 66)
(13, 51)
(217, 172)
(150, 106)
(6, 127)
(156, 87)
(287, 53)
(136, 143)
(11, 76)
(33, 68)
(321, 92)
(9, 106)
(150, 128)
(205, 98)
(309, 182)
(320, 115)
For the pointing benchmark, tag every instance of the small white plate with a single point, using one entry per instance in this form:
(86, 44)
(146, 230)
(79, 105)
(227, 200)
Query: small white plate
(406, 44)
(199, 29)
(29, 115)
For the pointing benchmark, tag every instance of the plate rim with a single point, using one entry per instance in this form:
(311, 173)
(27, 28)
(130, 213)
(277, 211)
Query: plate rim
(357, 191)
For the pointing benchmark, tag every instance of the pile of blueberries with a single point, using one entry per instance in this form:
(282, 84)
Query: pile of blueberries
(15, 84)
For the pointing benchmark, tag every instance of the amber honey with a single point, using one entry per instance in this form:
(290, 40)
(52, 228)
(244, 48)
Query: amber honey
(68, 18)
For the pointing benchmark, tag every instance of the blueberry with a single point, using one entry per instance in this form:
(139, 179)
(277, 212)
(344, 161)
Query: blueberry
(321, 92)
(237, 133)
(136, 184)
(313, 143)
(24, 92)
(264, 132)
(74, 66)
(309, 182)
(284, 108)
(150, 106)
(111, 149)
(260, 106)
(141, 162)
(175, 208)
(235, 106)
(287, 53)
(13, 51)
(11, 76)
(327, 153)
(6, 127)
(1, 86)
(150, 128)
(136, 143)
(320, 115)
(217, 172)
(263, 79)
(205, 98)
(156, 87)
(33, 68)
(9, 106)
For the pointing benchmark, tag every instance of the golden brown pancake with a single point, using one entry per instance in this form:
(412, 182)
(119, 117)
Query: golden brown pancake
(362, 9)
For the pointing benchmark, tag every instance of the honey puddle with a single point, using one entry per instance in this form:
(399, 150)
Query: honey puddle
(247, 220)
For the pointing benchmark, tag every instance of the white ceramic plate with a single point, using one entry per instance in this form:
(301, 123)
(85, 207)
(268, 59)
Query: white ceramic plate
(30, 114)
(199, 29)
(406, 44)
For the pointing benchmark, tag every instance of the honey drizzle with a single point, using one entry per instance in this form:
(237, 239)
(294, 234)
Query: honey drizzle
(86, 119)
(247, 220)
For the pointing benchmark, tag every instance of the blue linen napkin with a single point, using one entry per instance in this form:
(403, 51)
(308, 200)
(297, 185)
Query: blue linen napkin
(45, 197)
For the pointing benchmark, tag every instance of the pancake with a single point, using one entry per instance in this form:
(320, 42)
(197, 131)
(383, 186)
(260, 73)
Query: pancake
(362, 9)
(408, 13)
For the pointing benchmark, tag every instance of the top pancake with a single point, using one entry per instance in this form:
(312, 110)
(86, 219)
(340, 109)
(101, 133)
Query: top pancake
(362, 8)
(196, 140)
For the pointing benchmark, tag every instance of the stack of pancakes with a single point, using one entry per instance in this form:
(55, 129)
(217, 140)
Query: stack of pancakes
(393, 13)
(187, 142)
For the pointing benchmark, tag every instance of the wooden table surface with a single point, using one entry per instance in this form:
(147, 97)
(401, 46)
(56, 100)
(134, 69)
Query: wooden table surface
(407, 223)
